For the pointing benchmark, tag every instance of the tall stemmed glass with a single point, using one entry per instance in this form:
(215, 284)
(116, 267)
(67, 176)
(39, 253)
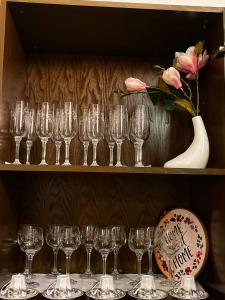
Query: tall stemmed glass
(138, 242)
(53, 239)
(57, 132)
(30, 239)
(18, 126)
(87, 238)
(169, 243)
(119, 128)
(30, 119)
(83, 133)
(109, 138)
(70, 241)
(69, 127)
(140, 126)
(150, 232)
(44, 127)
(104, 243)
(120, 240)
(95, 128)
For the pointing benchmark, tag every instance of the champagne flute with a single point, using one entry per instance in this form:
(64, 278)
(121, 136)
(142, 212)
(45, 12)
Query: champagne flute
(95, 128)
(69, 127)
(30, 239)
(119, 128)
(44, 127)
(70, 241)
(138, 242)
(83, 133)
(120, 240)
(87, 238)
(53, 239)
(57, 132)
(30, 118)
(109, 138)
(150, 233)
(18, 127)
(104, 243)
(140, 126)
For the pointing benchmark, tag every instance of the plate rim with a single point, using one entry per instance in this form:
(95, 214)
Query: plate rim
(36, 292)
(51, 298)
(161, 290)
(86, 293)
(203, 228)
(170, 292)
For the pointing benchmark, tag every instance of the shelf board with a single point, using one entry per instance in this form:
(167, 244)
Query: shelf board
(106, 169)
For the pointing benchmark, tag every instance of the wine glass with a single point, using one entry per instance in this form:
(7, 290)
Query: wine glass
(30, 132)
(109, 138)
(44, 127)
(57, 132)
(69, 127)
(70, 241)
(120, 240)
(119, 128)
(138, 242)
(150, 233)
(30, 239)
(95, 128)
(139, 127)
(53, 239)
(169, 243)
(104, 243)
(87, 239)
(17, 126)
(83, 133)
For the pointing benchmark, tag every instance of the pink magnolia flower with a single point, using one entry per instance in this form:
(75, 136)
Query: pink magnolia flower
(172, 77)
(190, 63)
(134, 85)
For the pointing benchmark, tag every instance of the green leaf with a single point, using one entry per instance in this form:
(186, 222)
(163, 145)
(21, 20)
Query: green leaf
(163, 86)
(169, 102)
(185, 105)
(199, 48)
(158, 68)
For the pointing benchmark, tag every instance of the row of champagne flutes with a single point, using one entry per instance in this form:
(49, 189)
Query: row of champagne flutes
(69, 238)
(61, 124)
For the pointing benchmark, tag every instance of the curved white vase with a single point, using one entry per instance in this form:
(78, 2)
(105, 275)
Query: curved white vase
(197, 155)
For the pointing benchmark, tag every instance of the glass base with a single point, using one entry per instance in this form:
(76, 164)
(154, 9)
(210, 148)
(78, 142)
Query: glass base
(119, 165)
(168, 282)
(94, 164)
(16, 162)
(32, 284)
(52, 275)
(86, 275)
(43, 162)
(66, 163)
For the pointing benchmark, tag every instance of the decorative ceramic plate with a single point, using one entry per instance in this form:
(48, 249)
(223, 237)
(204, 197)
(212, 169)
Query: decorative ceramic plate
(193, 249)
(159, 294)
(30, 293)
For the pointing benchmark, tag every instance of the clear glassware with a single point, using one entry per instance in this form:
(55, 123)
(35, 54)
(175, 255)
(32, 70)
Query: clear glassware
(30, 239)
(139, 130)
(119, 128)
(120, 239)
(69, 127)
(44, 126)
(95, 128)
(109, 139)
(87, 239)
(169, 244)
(138, 242)
(150, 232)
(104, 243)
(53, 239)
(57, 132)
(17, 126)
(83, 133)
(70, 241)
(30, 131)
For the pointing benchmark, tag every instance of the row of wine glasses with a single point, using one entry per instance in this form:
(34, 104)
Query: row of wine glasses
(60, 123)
(69, 238)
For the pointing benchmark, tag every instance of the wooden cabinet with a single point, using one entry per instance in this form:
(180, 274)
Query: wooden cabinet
(83, 51)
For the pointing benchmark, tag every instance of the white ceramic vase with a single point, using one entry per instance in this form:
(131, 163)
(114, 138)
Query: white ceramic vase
(197, 155)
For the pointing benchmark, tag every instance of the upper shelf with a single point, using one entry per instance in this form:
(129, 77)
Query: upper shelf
(106, 169)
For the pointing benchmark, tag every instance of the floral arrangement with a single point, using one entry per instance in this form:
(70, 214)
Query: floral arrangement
(172, 87)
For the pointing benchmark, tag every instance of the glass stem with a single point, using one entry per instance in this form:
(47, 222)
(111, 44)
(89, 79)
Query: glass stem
(55, 269)
(30, 260)
(150, 262)
(67, 151)
(88, 260)
(57, 146)
(104, 258)
(68, 256)
(111, 147)
(136, 153)
(115, 262)
(44, 144)
(119, 145)
(86, 145)
(17, 141)
(95, 143)
(139, 259)
(29, 145)
(140, 144)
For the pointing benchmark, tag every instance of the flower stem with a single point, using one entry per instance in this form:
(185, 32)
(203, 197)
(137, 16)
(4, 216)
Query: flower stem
(189, 89)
